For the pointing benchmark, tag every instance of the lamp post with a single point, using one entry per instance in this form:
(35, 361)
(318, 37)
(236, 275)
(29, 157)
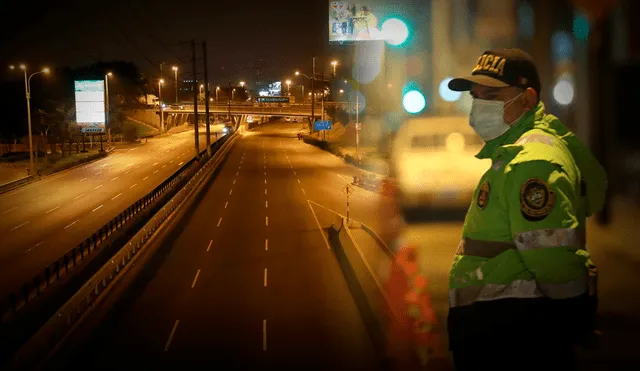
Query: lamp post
(107, 111)
(160, 82)
(175, 75)
(201, 87)
(334, 64)
(27, 87)
(288, 82)
(217, 89)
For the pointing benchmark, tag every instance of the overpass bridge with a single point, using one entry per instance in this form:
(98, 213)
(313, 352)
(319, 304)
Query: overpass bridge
(240, 111)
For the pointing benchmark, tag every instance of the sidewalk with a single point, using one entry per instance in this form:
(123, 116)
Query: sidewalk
(12, 172)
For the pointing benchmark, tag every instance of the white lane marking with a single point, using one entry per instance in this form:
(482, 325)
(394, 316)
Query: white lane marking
(70, 224)
(171, 162)
(265, 166)
(33, 247)
(265, 277)
(181, 163)
(298, 180)
(98, 173)
(104, 165)
(264, 335)
(155, 171)
(266, 244)
(266, 204)
(116, 196)
(114, 179)
(265, 181)
(238, 167)
(97, 208)
(234, 181)
(55, 208)
(83, 179)
(155, 164)
(219, 221)
(131, 164)
(210, 243)
(134, 185)
(304, 191)
(231, 190)
(265, 191)
(237, 172)
(319, 227)
(173, 331)
(165, 165)
(130, 171)
(18, 226)
(195, 279)
(8, 211)
(294, 173)
(65, 187)
(100, 186)
(225, 204)
(266, 220)
(145, 178)
(77, 197)
(265, 173)
(132, 149)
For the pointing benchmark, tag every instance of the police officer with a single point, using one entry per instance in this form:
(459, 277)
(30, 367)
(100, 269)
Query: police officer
(522, 286)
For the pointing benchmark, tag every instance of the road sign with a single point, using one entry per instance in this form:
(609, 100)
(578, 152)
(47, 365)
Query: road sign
(322, 125)
(347, 190)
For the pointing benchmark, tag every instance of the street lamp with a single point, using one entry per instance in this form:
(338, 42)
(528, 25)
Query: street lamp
(334, 64)
(201, 87)
(341, 91)
(242, 84)
(217, 89)
(106, 101)
(288, 86)
(27, 87)
(175, 74)
(160, 83)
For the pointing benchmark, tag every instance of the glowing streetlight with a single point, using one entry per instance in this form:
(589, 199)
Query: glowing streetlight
(334, 64)
(217, 89)
(27, 88)
(242, 84)
(175, 75)
(288, 86)
(160, 83)
(341, 91)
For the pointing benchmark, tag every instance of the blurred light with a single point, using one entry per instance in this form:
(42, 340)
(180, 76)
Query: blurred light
(334, 63)
(414, 101)
(357, 97)
(561, 46)
(210, 99)
(46, 70)
(110, 74)
(369, 62)
(12, 67)
(175, 68)
(345, 81)
(288, 82)
(447, 94)
(526, 20)
(581, 27)
(201, 86)
(23, 67)
(161, 81)
(395, 31)
(389, 85)
(563, 92)
(297, 73)
(242, 84)
(341, 91)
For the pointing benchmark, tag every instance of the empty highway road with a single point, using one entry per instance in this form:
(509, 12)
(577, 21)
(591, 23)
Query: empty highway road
(249, 283)
(43, 220)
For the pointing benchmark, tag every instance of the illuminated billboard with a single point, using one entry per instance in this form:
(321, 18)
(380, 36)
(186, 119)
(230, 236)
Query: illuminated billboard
(90, 109)
(361, 20)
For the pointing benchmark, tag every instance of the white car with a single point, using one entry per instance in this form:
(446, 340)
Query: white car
(434, 162)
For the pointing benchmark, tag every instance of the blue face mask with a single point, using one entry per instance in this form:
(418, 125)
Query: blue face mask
(487, 117)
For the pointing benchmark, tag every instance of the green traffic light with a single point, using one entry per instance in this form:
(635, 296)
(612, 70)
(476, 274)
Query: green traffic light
(581, 27)
(395, 31)
(414, 101)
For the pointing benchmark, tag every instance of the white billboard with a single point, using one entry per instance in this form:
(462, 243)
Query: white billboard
(90, 108)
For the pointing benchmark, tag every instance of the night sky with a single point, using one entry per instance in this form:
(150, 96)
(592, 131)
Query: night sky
(285, 34)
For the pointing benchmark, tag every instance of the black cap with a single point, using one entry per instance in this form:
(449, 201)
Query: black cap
(501, 68)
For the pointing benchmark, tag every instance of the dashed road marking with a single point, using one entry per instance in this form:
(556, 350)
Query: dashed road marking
(33, 247)
(155, 164)
(83, 179)
(155, 171)
(210, 243)
(298, 181)
(77, 197)
(266, 220)
(225, 204)
(8, 211)
(97, 208)
(114, 179)
(264, 335)
(230, 191)
(134, 185)
(234, 181)
(100, 186)
(265, 277)
(265, 191)
(70, 224)
(118, 195)
(181, 163)
(266, 244)
(145, 178)
(195, 279)
(18, 226)
(266, 204)
(173, 331)
(265, 181)
(219, 221)
(54, 209)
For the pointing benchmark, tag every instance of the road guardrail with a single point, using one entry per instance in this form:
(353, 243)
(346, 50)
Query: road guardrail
(13, 321)
(60, 325)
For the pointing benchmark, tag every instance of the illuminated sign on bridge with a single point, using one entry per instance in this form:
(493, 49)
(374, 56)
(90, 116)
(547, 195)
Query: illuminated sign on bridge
(273, 99)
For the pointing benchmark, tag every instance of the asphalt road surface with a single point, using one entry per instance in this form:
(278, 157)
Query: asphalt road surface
(42, 221)
(249, 283)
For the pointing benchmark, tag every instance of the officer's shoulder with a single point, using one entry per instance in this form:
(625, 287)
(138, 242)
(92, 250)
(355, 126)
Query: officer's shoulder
(537, 145)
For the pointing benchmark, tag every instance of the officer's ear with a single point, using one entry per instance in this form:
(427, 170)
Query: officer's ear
(530, 99)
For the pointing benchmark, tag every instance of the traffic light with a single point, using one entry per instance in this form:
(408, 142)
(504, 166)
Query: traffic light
(396, 31)
(414, 101)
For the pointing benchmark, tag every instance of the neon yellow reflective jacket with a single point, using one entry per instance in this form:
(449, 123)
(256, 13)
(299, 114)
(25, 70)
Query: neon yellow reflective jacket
(524, 233)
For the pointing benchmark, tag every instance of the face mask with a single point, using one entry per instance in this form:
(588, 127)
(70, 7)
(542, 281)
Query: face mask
(487, 117)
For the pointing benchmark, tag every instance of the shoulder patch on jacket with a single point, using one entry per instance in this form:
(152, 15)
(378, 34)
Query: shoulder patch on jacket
(536, 138)
(536, 199)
